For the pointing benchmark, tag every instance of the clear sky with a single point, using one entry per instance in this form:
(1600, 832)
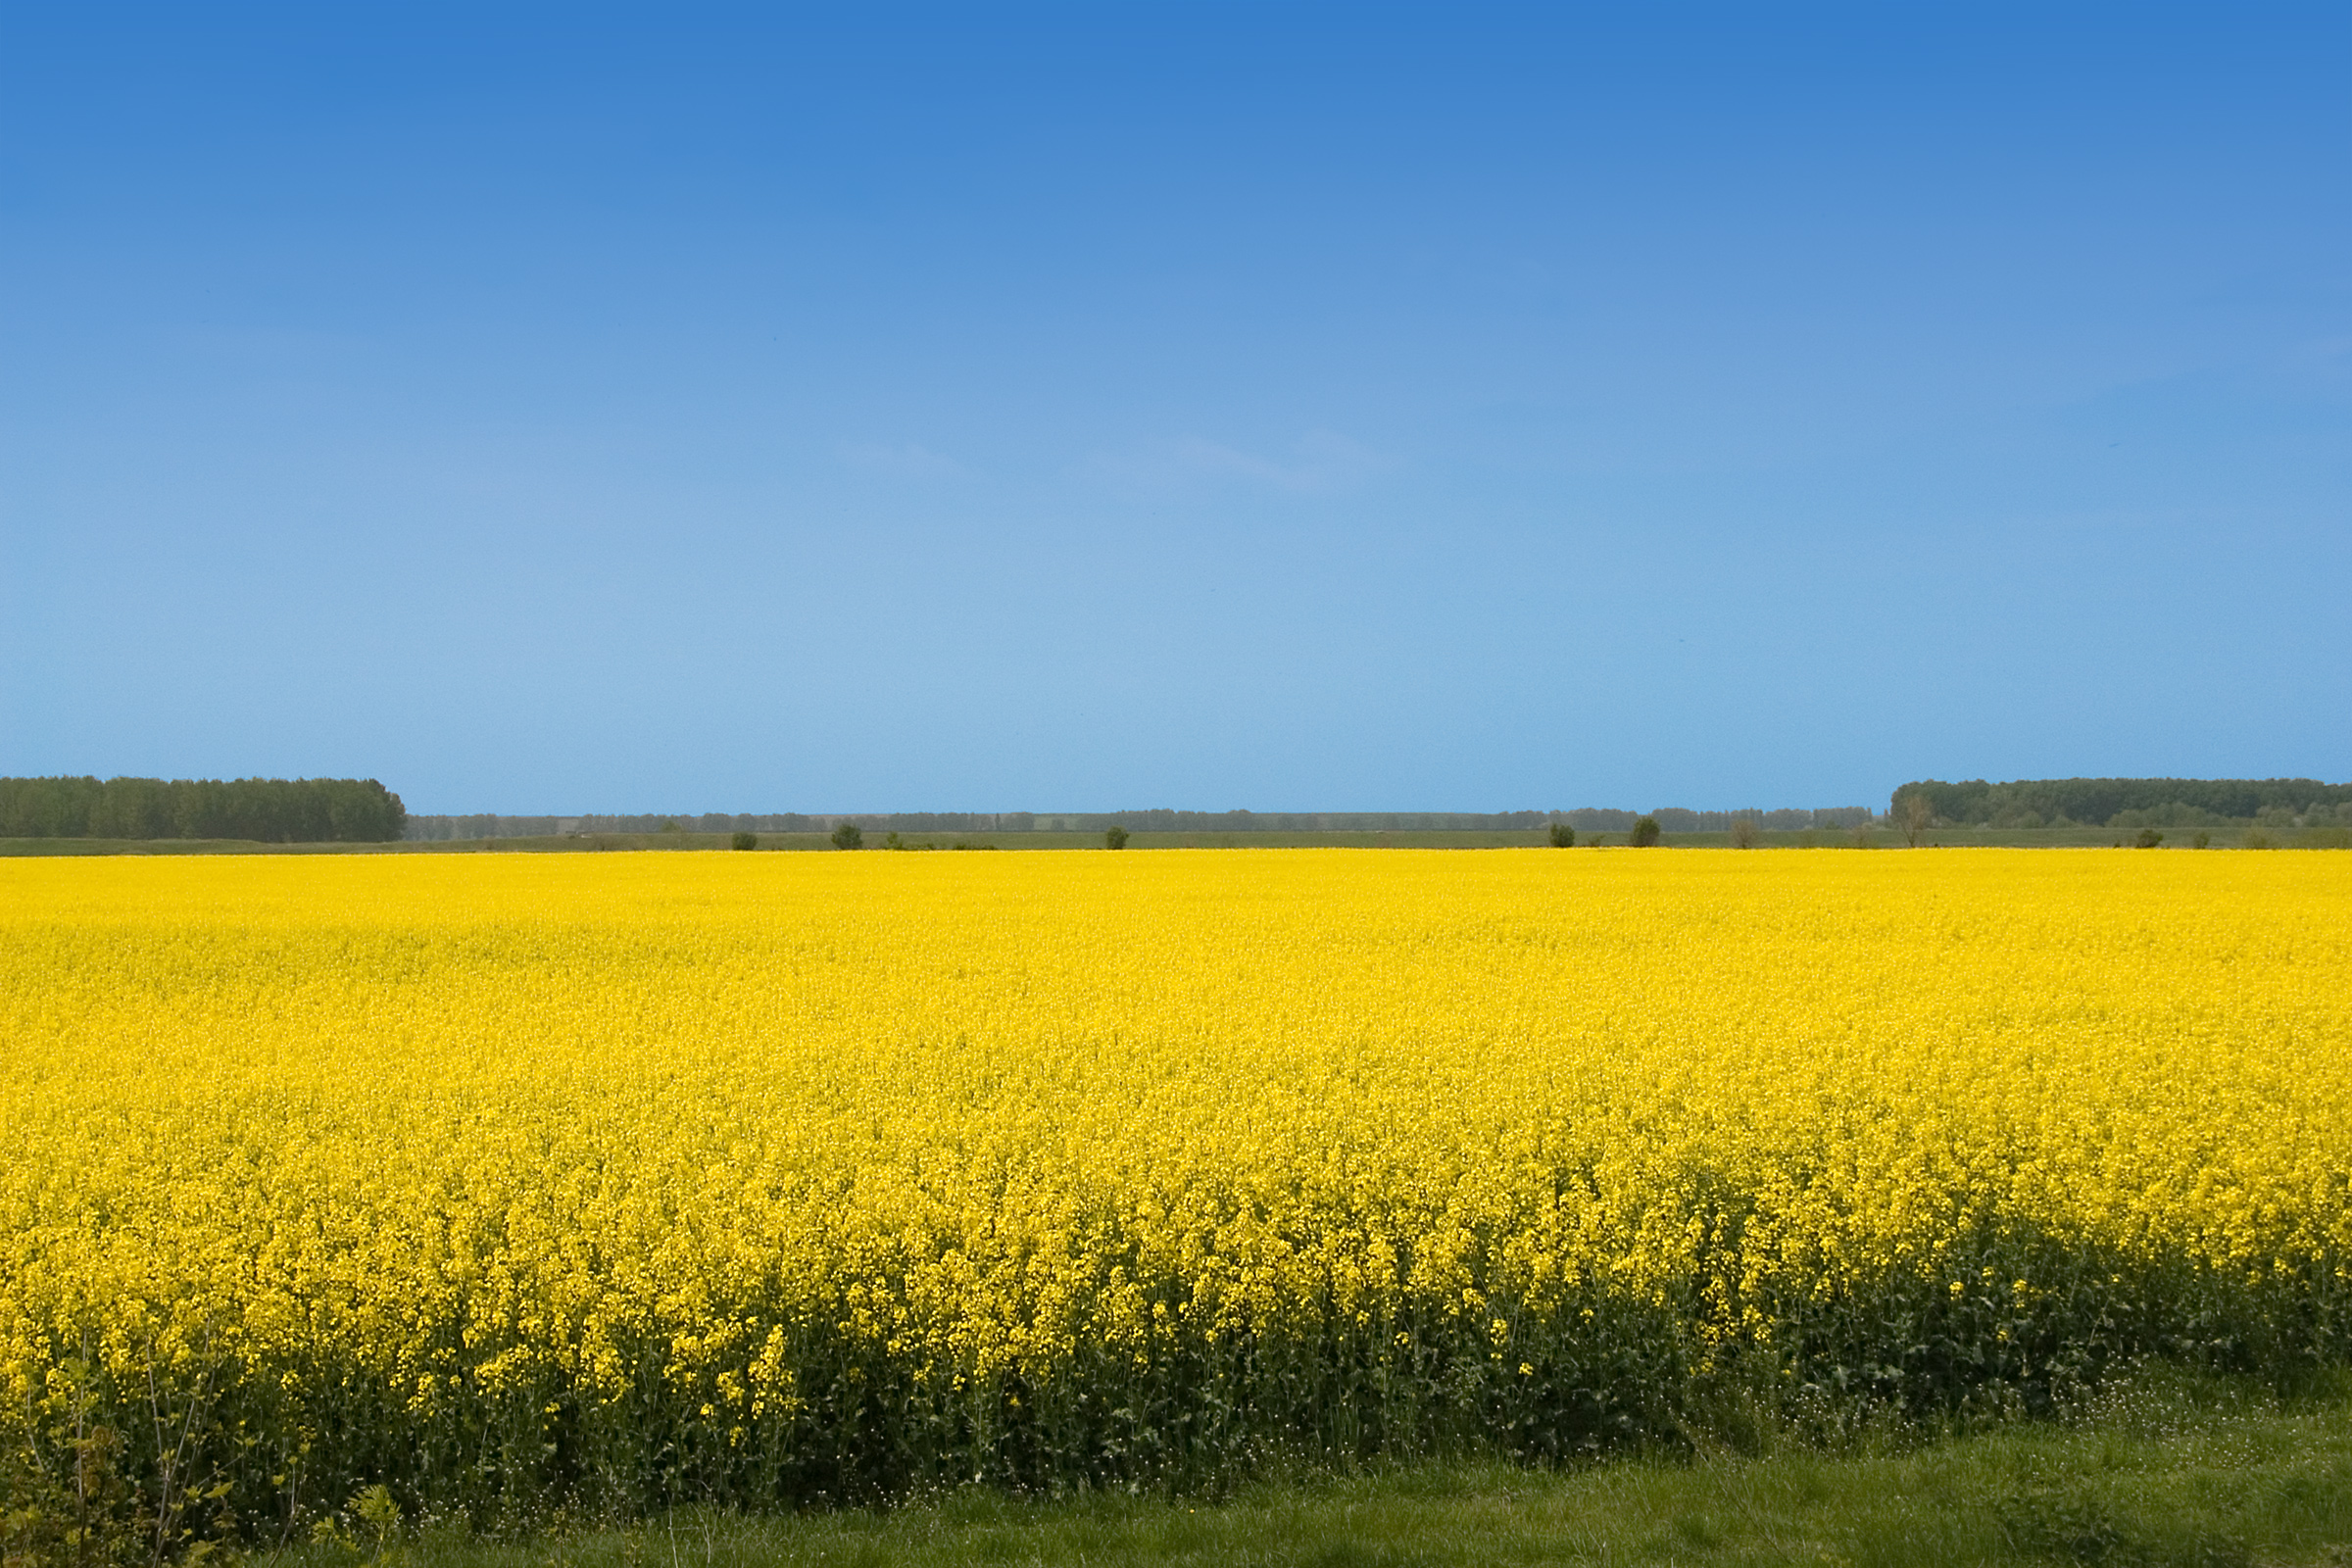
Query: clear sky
(547, 408)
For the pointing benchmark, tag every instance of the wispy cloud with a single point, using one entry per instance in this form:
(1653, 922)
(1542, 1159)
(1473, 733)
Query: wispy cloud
(906, 458)
(1316, 463)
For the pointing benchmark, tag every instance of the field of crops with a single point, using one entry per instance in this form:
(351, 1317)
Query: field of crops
(619, 1180)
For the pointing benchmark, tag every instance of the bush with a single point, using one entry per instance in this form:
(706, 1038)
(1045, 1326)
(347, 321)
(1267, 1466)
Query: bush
(1563, 837)
(66, 1502)
(1645, 831)
(2203, 839)
(2148, 839)
(1114, 838)
(849, 836)
(746, 841)
(1745, 835)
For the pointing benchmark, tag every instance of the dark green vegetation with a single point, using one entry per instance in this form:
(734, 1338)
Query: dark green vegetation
(273, 811)
(50, 816)
(2240, 836)
(2265, 813)
(1244, 827)
(2271, 804)
(2158, 1470)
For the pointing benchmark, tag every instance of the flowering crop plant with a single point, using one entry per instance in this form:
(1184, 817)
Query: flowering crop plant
(616, 1181)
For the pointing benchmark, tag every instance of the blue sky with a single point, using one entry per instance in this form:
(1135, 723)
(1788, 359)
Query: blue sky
(547, 408)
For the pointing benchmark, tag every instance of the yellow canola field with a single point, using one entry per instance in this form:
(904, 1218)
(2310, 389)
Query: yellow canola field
(768, 1177)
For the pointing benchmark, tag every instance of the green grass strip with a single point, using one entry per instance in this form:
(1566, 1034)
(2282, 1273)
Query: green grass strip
(2165, 1470)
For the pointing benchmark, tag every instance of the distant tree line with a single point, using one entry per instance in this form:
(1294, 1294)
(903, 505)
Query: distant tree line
(270, 811)
(2129, 802)
(1676, 820)
(489, 825)
(1590, 820)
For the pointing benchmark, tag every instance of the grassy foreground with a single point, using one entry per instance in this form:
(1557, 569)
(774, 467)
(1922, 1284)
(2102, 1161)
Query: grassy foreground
(2166, 1470)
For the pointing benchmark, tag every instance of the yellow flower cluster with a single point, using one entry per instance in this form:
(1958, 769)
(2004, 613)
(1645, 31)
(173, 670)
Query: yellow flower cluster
(765, 1176)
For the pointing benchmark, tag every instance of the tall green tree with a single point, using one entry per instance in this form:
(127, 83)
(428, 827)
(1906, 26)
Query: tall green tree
(269, 811)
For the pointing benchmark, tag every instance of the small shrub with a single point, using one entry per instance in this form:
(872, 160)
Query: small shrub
(1114, 838)
(1563, 837)
(746, 841)
(1645, 831)
(1745, 834)
(892, 840)
(849, 836)
(74, 1510)
(380, 1513)
(2203, 839)
(2148, 839)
